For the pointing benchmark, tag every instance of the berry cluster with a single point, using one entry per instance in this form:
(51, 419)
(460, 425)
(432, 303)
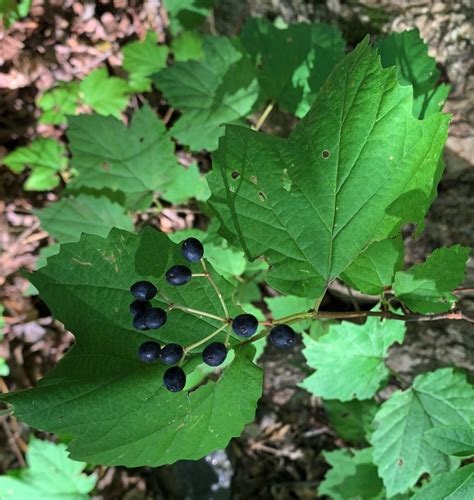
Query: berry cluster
(146, 317)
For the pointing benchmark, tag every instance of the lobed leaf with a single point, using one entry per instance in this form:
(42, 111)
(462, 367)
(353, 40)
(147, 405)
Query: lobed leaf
(427, 288)
(115, 406)
(356, 168)
(50, 474)
(220, 88)
(349, 359)
(401, 450)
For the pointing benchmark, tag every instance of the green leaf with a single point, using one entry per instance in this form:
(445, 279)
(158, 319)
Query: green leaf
(426, 288)
(50, 474)
(187, 14)
(143, 58)
(374, 268)
(415, 67)
(68, 218)
(58, 102)
(188, 45)
(187, 183)
(219, 89)
(106, 95)
(107, 155)
(286, 305)
(456, 485)
(115, 406)
(351, 420)
(452, 439)
(293, 62)
(356, 168)
(401, 450)
(45, 157)
(353, 475)
(349, 360)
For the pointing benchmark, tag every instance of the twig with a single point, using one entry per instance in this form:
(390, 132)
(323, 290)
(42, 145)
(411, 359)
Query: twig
(264, 116)
(196, 312)
(204, 340)
(216, 288)
(168, 115)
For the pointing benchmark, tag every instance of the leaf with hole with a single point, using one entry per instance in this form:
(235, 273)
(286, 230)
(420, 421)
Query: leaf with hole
(313, 202)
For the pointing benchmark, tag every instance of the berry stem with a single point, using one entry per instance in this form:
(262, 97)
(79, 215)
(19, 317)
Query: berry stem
(216, 288)
(196, 312)
(199, 275)
(204, 340)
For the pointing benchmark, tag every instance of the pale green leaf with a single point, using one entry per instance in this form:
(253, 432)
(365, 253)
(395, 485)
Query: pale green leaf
(349, 360)
(219, 89)
(58, 102)
(68, 218)
(293, 62)
(401, 450)
(135, 160)
(115, 406)
(452, 439)
(356, 168)
(50, 475)
(187, 183)
(188, 45)
(375, 267)
(456, 485)
(286, 305)
(415, 67)
(143, 58)
(106, 95)
(45, 157)
(352, 475)
(427, 287)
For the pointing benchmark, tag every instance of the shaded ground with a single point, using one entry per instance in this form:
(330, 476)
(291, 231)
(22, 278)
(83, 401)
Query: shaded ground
(279, 454)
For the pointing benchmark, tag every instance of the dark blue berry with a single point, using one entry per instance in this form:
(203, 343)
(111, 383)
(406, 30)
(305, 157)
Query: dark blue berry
(283, 336)
(214, 354)
(171, 354)
(245, 325)
(139, 306)
(139, 321)
(143, 290)
(155, 318)
(178, 275)
(192, 250)
(174, 379)
(149, 351)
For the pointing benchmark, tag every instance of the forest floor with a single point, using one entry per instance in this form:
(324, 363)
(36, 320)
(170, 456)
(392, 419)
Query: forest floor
(278, 455)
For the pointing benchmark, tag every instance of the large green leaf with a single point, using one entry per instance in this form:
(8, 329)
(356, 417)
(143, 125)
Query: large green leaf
(107, 155)
(374, 268)
(452, 439)
(50, 475)
(427, 287)
(107, 95)
(143, 58)
(353, 475)
(221, 88)
(401, 450)
(46, 159)
(114, 406)
(68, 218)
(456, 485)
(293, 62)
(349, 359)
(356, 168)
(415, 67)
